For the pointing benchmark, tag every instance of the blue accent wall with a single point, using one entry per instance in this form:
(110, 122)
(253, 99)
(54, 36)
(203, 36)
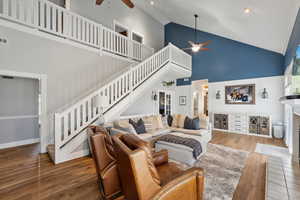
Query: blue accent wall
(294, 42)
(227, 59)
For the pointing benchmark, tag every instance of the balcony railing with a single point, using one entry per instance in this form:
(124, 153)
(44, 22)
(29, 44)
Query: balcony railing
(51, 18)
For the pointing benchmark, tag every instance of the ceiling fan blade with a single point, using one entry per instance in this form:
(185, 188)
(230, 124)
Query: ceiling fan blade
(187, 48)
(204, 49)
(99, 2)
(205, 43)
(191, 43)
(128, 3)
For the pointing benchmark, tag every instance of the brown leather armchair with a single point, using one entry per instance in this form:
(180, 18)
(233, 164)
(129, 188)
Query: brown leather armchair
(145, 178)
(106, 164)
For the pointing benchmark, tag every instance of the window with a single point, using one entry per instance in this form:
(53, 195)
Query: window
(119, 28)
(137, 37)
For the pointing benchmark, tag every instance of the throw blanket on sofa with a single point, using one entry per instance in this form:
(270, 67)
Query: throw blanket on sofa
(189, 142)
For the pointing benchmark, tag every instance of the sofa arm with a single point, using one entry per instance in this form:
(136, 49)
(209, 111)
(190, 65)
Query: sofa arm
(190, 185)
(160, 157)
(115, 131)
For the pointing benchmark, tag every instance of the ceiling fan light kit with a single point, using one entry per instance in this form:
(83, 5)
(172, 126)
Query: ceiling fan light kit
(196, 47)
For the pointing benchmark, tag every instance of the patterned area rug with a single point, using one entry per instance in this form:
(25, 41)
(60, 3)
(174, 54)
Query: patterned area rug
(223, 168)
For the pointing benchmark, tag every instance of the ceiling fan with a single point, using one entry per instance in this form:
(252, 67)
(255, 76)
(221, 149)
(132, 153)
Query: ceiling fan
(127, 2)
(196, 47)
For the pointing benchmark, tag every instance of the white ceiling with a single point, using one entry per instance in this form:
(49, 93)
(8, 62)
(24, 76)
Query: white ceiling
(268, 26)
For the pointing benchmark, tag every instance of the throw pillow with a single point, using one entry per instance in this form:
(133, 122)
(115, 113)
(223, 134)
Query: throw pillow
(170, 120)
(203, 123)
(138, 126)
(164, 120)
(180, 121)
(148, 122)
(196, 123)
(188, 123)
(124, 126)
(175, 121)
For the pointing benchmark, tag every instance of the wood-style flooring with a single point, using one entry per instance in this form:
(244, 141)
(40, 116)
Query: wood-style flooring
(26, 175)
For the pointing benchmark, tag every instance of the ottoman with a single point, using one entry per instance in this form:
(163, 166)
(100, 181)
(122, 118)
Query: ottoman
(182, 153)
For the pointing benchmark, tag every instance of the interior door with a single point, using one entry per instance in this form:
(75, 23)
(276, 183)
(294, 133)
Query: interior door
(165, 102)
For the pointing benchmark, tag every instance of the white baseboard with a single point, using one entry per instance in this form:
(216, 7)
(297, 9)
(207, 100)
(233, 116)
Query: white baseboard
(72, 156)
(19, 143)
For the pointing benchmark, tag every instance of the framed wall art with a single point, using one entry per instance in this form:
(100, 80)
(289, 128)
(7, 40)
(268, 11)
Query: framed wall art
(240, 94)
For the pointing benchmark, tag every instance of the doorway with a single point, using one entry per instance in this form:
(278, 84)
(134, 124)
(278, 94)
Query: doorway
(200, 97)
(23, 109)
(165, 102)
(19, 111)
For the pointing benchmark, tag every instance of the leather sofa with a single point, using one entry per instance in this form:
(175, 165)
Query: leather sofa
(145, 178)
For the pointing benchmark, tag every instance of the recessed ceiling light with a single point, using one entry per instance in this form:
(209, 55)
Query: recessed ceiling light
(247, 10)
(152, 3)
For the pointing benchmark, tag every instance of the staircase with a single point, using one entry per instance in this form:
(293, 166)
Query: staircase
(108, 101)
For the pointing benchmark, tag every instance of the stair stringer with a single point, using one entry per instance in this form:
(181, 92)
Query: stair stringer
(67, 153)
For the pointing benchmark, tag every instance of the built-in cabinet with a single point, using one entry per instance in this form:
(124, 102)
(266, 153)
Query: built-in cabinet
(243, 123)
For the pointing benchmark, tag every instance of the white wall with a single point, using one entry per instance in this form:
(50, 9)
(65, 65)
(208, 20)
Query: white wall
(146, 106)
(270, 106)
(71, 71)
(135, 19)
(185, 90)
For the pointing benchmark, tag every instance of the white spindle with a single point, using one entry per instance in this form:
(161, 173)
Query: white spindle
(48, 16)
(13, 4)
(21, 11)
(5, 5)
(54, 19)
(78, 126)
(72, 121)
(66, 126)
(59, 21)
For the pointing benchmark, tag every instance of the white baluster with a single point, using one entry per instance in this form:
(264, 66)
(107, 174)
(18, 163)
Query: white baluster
(13, 9)
(78, 118)
(21, 10)
(5, 7)
(66, 126)
(54, 19)
(42, 14)
(72, 121)
(59, 21)
(48, 16)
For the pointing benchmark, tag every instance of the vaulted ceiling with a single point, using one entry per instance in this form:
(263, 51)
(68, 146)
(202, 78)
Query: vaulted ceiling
(268, 25)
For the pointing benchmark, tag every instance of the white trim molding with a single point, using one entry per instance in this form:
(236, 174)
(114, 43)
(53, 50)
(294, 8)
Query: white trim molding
(19, 117)
(19, 143)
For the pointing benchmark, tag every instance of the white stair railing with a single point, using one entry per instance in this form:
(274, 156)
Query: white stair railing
(51, 18)
(70, 122)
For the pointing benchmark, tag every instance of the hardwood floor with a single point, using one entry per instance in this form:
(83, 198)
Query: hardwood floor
(26, 175)
(252, 181)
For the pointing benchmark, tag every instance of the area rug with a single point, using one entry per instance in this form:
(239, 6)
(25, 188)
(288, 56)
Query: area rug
(271, 150)
(223, 168)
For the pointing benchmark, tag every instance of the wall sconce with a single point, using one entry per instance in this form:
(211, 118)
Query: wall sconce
(264, 94)
(218, 95)
(154, 96)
